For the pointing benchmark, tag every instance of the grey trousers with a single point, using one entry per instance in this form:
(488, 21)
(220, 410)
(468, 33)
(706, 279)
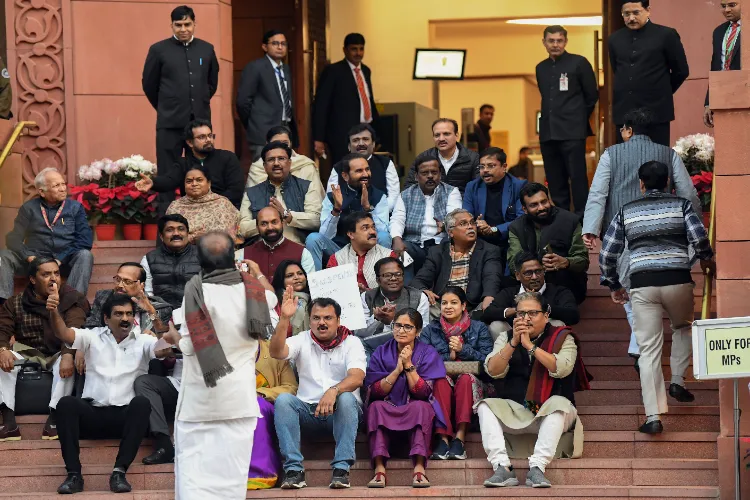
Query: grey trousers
(649, 304)
(79, 266)
(163, 398)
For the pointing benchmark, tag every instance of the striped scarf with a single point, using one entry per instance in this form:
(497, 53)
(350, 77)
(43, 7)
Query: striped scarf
(414, 202)
(460, 268)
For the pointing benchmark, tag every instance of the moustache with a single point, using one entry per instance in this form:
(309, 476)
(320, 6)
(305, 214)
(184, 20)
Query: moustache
(176, 238)
(125, 324)
(372, 237)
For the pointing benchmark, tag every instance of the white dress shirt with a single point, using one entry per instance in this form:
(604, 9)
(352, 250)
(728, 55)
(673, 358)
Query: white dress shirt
(320, 370)
(111, 368)
(280, 66)
(429, 227)
(367, 92)
(373, 325)
(392, 183)
(447, 164)
(234, 395)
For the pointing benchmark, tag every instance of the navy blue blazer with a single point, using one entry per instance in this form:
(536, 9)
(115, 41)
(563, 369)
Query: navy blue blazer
(475, 200)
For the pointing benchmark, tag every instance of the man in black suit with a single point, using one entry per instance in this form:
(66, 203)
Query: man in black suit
(649, 64)
(569, 90)
(344, 98)
(180, 76)
(264, 95)
(727, 45)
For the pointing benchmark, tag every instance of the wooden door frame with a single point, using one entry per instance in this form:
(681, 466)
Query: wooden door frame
(301, 85)
(611, 22)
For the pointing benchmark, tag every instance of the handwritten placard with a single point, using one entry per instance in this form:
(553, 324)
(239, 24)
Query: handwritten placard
(340, 284)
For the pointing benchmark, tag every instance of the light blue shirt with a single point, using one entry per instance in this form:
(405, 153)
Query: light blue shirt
(329, 223)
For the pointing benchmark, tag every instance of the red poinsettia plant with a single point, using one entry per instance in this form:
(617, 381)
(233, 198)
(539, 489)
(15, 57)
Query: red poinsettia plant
(106, 205)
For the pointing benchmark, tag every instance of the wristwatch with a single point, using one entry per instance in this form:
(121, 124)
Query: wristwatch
(532, 351)
(493, 229)
(286, 213)
(335, 387)
(410, 369)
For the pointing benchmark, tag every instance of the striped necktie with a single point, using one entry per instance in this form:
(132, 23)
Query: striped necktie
(363, 94)
(729, 46)
(284, 94)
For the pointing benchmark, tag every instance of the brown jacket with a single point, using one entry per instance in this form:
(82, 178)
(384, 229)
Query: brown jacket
(279, 374)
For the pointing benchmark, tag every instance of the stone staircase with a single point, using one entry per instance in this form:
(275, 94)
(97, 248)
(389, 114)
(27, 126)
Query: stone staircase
(618, 462)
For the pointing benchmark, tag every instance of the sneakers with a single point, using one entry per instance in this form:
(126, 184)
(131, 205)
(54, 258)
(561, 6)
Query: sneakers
(50, 431)
(681, 394)
(501, 478)
(340, 479)
(72, 484)
(535, 478)
(7, 434)
(457, 451)
(293, 480)
(441, 451)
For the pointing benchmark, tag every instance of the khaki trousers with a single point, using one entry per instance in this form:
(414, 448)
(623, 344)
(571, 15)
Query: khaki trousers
(649, 304)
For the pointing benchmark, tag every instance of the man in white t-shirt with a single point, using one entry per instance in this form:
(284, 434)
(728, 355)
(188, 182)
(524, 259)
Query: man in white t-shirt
(331, 365)
(115, 355)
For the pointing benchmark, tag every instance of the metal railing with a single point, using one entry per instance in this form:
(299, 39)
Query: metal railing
(17, 132)
(707, 275)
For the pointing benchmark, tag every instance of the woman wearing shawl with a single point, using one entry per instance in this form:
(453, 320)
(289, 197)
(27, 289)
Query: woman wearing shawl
(272, 378)
(456, 337)
(538, 368)
(399, 396)
(290, 273)
(204, 210)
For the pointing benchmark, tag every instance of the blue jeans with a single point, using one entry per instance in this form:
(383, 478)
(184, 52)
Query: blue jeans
(318, 244)
(291, 415)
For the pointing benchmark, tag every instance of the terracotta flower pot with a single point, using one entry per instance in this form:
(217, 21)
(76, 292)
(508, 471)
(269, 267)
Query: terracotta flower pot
(150, 232)
(105, 232)
(132, 231)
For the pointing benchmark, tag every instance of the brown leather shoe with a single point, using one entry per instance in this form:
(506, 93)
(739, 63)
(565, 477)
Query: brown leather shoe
(7, 434)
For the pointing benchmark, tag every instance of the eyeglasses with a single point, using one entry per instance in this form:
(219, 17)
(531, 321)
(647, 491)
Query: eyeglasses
(205, 137)
(528, 314)
(730, 5)
(277, 44)
(278, 159)
(117, 280)
(405, 328)
(390, 276)
(466, 223)
(532, 273)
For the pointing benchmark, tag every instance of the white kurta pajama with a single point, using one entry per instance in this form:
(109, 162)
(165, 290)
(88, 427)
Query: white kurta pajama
(214, 426)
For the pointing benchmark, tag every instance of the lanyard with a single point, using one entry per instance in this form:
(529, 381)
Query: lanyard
(57, 215)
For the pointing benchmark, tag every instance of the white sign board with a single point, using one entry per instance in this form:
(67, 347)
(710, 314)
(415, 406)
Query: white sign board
(340, 284)
(721, 348)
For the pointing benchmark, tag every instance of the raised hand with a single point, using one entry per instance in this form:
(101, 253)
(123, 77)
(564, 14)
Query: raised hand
(53, 299)
(289, 303)
(455, 344)
(275, 203)
(365, 199)
(141, 300)
(144, 184)
(405, 356)
(338, 197)
(482, 226)
(252, 268)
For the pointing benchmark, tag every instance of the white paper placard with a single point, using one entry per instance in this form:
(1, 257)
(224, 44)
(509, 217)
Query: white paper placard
(340, 284)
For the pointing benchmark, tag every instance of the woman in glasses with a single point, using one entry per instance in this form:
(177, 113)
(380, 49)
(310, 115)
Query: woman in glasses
(537, 368)
(399, 384)
(457, 337)
(290, 273)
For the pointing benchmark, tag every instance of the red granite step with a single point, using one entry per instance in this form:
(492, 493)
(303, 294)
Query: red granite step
(629, 418)
(614, 393)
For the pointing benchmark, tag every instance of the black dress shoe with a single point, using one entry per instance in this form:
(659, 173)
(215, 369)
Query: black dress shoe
(118, 483)
(160, 456)
(654, 427)
(72, 484)
(681, 394)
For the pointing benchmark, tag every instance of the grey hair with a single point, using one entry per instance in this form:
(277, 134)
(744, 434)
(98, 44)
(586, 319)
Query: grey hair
(40, 181)
(535, 296)
(450, 219)
(216, 251)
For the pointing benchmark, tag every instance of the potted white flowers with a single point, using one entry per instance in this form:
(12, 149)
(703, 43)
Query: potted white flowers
(697, 153)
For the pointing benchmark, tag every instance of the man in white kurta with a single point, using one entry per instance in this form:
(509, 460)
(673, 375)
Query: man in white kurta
(214, 426)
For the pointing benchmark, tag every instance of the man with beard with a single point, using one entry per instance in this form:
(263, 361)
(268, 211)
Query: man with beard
(297, 200)
(463, 261)
(554, 235)
(115, 355)
(151, 313)
(458, 165)
(273, 247)
(362, 140)
(418, 220)
(357, 195)
(381, 303)
(363, 250)
(494, 199)
(331, 364)
(172, 263)
(224, 169)
(530, 273)
(24, 318)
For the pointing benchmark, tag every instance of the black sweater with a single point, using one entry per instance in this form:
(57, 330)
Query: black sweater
(562, 301)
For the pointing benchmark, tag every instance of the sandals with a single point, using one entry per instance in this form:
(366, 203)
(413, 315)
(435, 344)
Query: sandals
(419, 480)
(378, 481)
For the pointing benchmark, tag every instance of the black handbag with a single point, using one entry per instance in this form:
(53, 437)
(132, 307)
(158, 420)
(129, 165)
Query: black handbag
(33, 389)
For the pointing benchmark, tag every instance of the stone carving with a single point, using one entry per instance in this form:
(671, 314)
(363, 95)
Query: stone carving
(38, 29)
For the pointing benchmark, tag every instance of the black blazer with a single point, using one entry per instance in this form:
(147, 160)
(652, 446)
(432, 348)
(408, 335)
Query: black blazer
(718, 48)
(649, 65)
(336, 106)
(179, 81)
(259, 102)
(485, 271)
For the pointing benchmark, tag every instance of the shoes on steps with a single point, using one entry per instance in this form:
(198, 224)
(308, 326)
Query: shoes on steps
(50, 431)
(654, 427)
(160, 456)
(681, 394)
(535, 478)
(72, 484)
(501, 478)
(457, 450)
(339, 479)
(293, 480)
(8, 434)
(441, 451)
(118, 483)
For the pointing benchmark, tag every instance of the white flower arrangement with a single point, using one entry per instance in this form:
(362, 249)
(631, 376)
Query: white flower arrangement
(698, 146)
(125, 169)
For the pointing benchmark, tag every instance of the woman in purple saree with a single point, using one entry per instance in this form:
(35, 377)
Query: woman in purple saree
(399, 396)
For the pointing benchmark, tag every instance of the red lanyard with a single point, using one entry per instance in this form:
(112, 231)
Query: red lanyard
(57, 215)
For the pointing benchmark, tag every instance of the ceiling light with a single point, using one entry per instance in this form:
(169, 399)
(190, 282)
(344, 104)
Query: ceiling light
(564, 21)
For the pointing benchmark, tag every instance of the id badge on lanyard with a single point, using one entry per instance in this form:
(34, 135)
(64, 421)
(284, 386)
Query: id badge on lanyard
(564, 82)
